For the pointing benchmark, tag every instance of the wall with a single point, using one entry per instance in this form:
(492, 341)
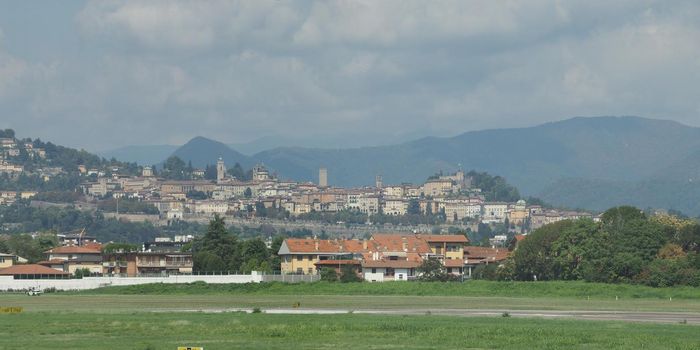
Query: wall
(9, 283)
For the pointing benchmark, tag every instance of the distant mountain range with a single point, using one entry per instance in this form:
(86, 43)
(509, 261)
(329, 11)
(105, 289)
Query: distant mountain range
(591, 163)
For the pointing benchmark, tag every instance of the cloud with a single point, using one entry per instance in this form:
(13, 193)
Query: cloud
(164, 71)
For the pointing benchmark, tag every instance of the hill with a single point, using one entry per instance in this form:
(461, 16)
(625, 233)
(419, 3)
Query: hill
(202, 151)
(591, 163)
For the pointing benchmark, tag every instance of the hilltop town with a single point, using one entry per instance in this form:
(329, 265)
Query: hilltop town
(181, 192)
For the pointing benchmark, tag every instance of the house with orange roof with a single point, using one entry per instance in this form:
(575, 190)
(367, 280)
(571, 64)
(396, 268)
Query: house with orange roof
(71, 258)
(300, 255)
(382, 257)
(475, 256)
(33, 271)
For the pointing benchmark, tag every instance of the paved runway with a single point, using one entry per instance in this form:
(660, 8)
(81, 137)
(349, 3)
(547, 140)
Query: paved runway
(629, 316)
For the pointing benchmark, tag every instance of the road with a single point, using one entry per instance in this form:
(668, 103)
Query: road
(628, 316)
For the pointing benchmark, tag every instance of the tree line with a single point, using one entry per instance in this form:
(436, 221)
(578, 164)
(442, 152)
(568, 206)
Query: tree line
(626, 246)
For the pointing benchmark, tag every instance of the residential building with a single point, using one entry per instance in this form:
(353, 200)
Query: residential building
(133, 264)
(33, 271)
(6, 260)
(71, 258)
(494, 212)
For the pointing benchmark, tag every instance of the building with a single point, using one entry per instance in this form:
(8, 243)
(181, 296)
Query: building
(475, 256)
(494, 212)
(438, 187)
(33, 271)
(260, 173)
(300, 255)
(147, 171)
(220, 170)
(395, 206)
(134, 264)
(6, 260)
(71, 258)
(322, 177)
(382, 257)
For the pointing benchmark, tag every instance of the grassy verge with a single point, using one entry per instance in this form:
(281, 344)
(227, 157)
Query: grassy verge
(550, 289)
(347, 331)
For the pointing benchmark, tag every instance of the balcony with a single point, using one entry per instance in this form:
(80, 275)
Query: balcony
(161, 263)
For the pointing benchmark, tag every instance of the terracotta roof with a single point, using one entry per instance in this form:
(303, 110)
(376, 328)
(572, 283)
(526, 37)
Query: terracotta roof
(395, 243)
(485, 253)
(520, 237)
(73, 250)
(52, 262)
(338, 262)
(31, 269)
(446, 238)
(93, 245)
(397, 264)
(453, 263)
(309, 245)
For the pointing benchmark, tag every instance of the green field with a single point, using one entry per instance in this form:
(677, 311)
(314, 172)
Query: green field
(141, 330)
(163, 316)
(549, 289)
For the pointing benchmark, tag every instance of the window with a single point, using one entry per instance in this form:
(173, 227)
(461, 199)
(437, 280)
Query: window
(311, 270)
(374, 270)
(300, 257)
(300, 271)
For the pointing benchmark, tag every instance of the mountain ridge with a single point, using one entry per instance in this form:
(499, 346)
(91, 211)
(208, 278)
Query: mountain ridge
(588, 162)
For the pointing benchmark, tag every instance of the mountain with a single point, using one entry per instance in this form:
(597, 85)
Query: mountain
(143, 155)
(608, 148)
(202, 151)
(323, 140)
(591, 163)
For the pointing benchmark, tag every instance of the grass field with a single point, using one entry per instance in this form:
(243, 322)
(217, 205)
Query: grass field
(141, 330)
(550, 289)
(163, 316)
(168, 302)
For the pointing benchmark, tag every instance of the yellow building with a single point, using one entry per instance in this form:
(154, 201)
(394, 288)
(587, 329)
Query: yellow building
(6, 260)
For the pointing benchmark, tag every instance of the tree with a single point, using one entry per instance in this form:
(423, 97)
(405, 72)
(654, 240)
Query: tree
(238, 172)
(432, 270)
(254, 250)
(220, 242)
(248, 192)
(329, 275)
(206, 262)
(174, 168)
(210, 172)
(80, 273)
(7, 133)
(533, 259)
(120, 248)
(348, 274)
(260, 209)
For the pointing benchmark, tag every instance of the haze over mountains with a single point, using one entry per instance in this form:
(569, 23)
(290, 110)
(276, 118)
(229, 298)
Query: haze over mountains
(591, 163)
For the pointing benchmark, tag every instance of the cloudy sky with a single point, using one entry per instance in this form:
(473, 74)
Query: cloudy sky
(104, 74)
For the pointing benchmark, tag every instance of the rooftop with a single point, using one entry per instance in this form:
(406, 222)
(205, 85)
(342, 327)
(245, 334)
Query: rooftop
(31, 269)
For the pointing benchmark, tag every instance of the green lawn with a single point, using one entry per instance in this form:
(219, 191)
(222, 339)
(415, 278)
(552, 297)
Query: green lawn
(550, 289)
(141, 330)
(114, 303)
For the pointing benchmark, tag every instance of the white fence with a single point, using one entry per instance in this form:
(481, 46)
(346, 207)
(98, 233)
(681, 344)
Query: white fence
(8, 283)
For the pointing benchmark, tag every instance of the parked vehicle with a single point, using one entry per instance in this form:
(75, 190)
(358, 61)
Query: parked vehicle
(34, 292)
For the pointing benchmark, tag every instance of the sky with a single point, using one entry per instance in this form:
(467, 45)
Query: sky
(104, 74)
